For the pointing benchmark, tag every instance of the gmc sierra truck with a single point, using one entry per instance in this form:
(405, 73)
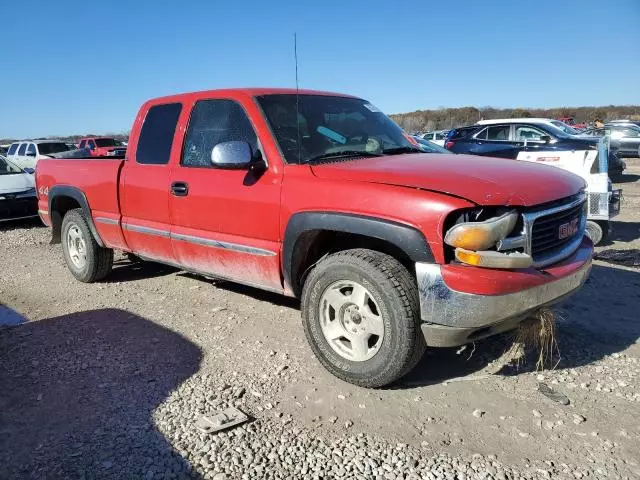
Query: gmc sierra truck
(102, 146)
(321, 196)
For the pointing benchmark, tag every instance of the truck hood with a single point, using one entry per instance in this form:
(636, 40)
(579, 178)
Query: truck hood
(14, 183)
(482, 180)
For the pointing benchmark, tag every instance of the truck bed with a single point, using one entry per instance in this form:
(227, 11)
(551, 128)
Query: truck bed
(98, 177)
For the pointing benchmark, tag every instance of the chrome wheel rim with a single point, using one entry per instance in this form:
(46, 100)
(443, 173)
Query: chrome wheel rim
(76, 247)
(350, 321)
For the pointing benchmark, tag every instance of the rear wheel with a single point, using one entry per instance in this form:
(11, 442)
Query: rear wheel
(361, 317)
(86, 260)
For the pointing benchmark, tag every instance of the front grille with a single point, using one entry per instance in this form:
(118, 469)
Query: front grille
(547, 230)
(17, 207)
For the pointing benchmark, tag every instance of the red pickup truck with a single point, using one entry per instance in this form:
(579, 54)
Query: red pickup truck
(103, 146)
(321, 196)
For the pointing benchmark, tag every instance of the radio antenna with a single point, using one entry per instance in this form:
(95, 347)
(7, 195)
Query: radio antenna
(295, 57)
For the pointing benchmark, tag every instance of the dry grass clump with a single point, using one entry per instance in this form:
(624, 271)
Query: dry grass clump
(537, 333)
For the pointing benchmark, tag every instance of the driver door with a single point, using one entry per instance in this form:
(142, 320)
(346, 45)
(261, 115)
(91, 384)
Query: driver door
(225, 223)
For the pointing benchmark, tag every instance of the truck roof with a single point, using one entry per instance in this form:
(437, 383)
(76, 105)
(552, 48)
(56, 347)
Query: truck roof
(252, 92)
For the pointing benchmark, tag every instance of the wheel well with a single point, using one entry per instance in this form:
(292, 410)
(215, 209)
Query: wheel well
(60, 205)
(311, 246)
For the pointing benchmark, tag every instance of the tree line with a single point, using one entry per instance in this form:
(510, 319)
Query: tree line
(447, 118)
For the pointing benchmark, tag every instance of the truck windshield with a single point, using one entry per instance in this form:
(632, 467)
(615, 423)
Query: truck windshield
(310, 128)
(107, 142)
(8, 168)
(53, 147)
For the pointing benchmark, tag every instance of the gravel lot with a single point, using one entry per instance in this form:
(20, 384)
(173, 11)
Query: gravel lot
(107, 381)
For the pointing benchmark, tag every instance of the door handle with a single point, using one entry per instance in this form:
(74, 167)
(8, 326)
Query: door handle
(180, 189)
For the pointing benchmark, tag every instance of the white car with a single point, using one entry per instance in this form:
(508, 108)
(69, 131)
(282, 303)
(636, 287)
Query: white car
(18, 198)
(437, 137)
(26, 154)
(535, 121)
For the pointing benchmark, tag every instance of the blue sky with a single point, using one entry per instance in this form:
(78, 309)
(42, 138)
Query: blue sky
(78, 67)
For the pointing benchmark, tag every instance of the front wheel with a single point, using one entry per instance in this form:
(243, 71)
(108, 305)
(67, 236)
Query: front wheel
(87, 261)
(595, 231)
(361, 317)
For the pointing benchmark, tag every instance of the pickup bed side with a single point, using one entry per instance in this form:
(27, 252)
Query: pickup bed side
(92, 185)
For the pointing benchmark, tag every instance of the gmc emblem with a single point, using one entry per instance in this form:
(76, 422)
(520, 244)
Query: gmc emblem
(568, 229)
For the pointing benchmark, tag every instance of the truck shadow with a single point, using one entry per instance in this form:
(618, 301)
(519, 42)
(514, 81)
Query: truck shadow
(126, 271)
(623, 232)
(599, 320)
(78, 393)
(626, 178)
(255, 293)
(21, 224)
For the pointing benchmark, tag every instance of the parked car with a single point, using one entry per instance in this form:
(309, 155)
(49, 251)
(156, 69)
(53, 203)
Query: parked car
(25, 154)
(572, 123)
(438, 137)
(18, 198)
(624, 139)
(508, 138)
(103, 146)
(540, 141)
(428, 146)
(626, 122)
(322, 197)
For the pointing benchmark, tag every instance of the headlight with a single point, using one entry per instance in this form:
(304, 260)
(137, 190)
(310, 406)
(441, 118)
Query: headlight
(473, 242)
(481, 235)
(493, 259)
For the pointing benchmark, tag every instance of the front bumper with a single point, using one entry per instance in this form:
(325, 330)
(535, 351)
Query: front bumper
(453, 317)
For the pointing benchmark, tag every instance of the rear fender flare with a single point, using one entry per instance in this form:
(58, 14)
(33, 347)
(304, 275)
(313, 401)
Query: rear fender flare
(405, 237)
(58, 191)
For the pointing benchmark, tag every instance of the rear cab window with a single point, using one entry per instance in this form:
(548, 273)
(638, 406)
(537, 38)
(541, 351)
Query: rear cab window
(107, 142)
(156, 134)
(21, 150)
(12, 149)
(49, 148)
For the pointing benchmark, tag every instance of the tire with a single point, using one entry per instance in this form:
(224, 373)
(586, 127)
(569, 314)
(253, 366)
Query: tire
(87, 261)
(594, 231)
(394, 294)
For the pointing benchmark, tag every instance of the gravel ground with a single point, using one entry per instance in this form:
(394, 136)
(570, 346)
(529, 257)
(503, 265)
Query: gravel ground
(107, 381)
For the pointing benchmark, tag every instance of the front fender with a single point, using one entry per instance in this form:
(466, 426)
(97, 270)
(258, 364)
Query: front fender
(407, 238)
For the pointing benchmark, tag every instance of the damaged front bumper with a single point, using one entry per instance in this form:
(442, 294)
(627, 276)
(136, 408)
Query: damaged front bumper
(452, 317)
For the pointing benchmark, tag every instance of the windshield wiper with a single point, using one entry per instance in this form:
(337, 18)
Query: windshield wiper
(405, 149)
(343, 153)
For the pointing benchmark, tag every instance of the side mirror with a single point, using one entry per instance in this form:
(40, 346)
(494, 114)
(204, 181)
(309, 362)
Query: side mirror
(231, 155)
(545, 138)
(31, 154)
(29, 170)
